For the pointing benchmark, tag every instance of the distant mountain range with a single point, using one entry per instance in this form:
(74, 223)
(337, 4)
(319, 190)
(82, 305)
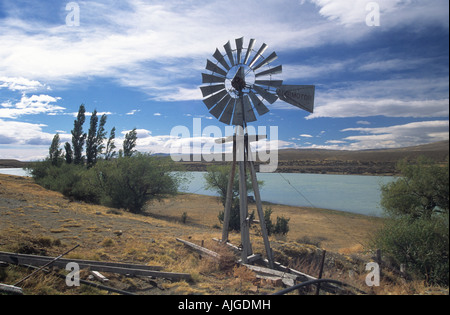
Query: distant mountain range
(370, 162)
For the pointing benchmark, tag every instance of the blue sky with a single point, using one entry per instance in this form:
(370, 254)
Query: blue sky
(141, 61)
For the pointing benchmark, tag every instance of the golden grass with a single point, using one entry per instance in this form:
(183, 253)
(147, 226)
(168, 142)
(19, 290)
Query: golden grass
(45, 221)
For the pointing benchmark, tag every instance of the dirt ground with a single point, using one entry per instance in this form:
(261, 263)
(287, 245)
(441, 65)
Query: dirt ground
(29, 212)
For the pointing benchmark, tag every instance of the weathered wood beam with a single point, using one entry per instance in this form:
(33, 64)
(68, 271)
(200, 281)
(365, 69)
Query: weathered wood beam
(199, 249)
(126, 269)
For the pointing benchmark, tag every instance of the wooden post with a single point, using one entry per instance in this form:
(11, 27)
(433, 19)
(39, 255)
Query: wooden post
(262, 222)
(243, 205)
(322, 263)
(229, 198)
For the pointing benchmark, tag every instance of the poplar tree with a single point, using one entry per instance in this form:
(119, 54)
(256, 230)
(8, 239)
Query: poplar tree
(129, 143)
(69, 153)
(91, 142)
(54, 151)
(78, 136)
(110, 146)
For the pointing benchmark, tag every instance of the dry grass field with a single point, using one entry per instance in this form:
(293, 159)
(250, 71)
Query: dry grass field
(37, 221)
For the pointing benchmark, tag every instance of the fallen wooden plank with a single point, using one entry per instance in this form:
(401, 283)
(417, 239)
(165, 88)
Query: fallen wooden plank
(125, 269)
(23, 258)
(201, 250)
(270, 272)
(99, 276)
(10, 289)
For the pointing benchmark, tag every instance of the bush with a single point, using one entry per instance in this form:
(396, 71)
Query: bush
(127, 182)
(417, 230)
(422, 245)
(130, 182)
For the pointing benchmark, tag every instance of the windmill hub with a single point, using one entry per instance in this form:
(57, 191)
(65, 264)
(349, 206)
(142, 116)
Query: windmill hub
(238, 83)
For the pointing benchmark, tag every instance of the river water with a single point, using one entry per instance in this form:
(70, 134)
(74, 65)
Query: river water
(350, 193)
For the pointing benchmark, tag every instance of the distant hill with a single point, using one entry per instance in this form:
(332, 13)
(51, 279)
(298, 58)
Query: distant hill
(365, 162)
(12, 164)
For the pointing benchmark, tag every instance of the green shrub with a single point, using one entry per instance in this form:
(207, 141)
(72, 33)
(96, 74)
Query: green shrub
(130, 182)
(127, 182)
(422, 245)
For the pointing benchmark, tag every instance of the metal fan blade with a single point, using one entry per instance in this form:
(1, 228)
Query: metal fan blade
(218, 56)
(239, 46)
(275, 70)
(301, 96)
(208, 78)
(259, 105)
(228, 113)
(274, 83)
(227, 47)
(249, 114)
(266, 61)
(249, 50)
(271, 98)
(214, 99)
(258, 55)
(238, 117)
(214, 68)
(219, 108)
(211, 89)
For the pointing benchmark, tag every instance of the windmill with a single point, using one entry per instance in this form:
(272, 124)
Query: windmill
(238, 83)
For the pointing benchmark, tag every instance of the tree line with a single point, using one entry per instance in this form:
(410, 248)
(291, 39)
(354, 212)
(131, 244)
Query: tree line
(94, 140)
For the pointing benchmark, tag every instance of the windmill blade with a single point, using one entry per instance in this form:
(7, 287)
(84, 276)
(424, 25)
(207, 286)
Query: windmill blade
(258, 55)
(249, 114)
(272, 71)
(218, 56)
(249, 50)
(266, 61)
(271, 98)
(229, 52)
(301, 96)
(238, 117)
(226, 116)
(219, 108)
(260, 107)
(274, 83)
(211, 89)
(239, 46)
(208, 78)
(214, 99)
(214, 68)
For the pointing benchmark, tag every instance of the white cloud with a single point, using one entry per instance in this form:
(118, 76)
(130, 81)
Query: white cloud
(393, 13)
(21, 84)
(133, 112)
(33, 105)
(398, 136)
(341, 108)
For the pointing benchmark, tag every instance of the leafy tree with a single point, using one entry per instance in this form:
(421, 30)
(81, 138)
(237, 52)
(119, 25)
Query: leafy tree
(101, 135)
(110, 146)
(421, 191)
(78, 136)
(69, 153)
(91, 142)
(131, 182)
(417, 230)
(129, 143)
(55, 151)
